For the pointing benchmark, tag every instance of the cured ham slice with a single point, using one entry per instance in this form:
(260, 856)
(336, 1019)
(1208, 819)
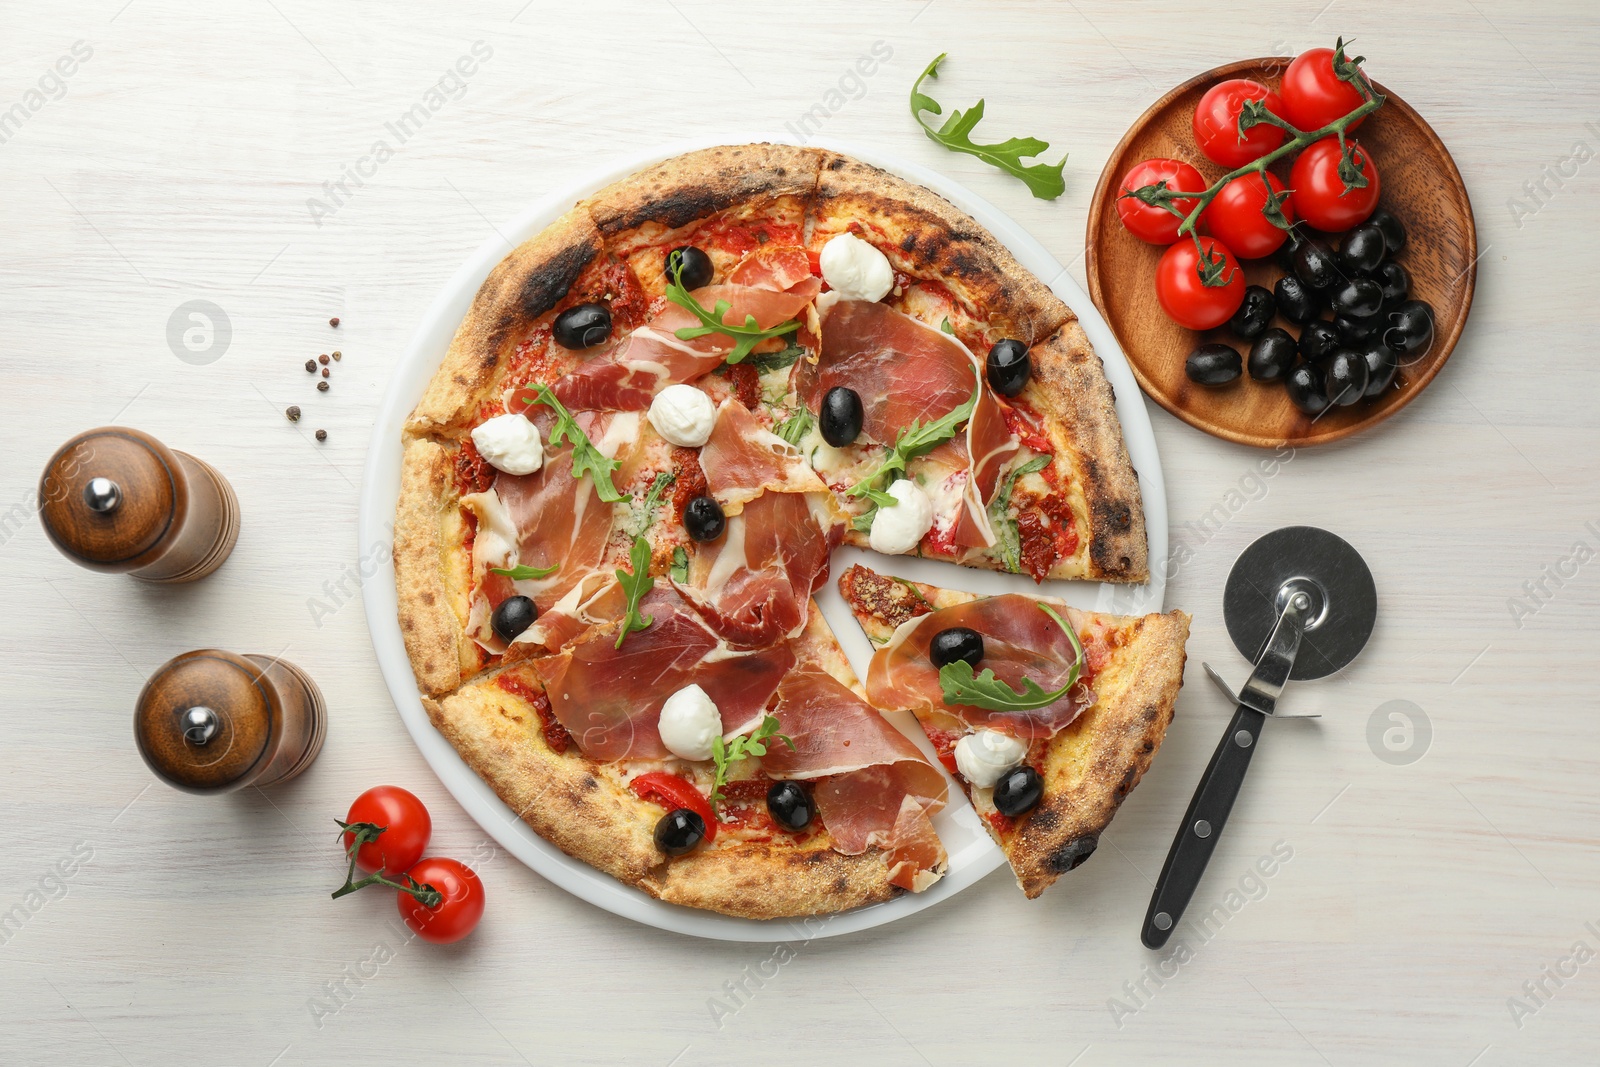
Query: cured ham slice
(875, 788)
(753, 585)
(1019, 641)
(743, 459)
(652, 358)
(906, 371)
(780, 268)
(610, 699)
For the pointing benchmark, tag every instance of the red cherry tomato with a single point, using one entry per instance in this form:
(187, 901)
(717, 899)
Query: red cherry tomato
(1319, 192)
(1185, 298)
(1313, 95)
(1149, 223)
(457, 914)
(1234, 215)
(674, 792)
(407, 828)
(1216, 123)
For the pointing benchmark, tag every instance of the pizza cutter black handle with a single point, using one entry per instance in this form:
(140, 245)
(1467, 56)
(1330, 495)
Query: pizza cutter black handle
(1202, 825)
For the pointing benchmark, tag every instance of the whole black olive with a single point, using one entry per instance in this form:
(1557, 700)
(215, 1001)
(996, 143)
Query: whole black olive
(1315, 265)
(1297, 301)
(1213, 364)
(1383, 363)
(1362, 249)
(703, 518)
(1018, 790)
(1408, 329)
(1394, 234)
(514, 615)
(583, 326)
(840, 420)
(957, 642)
(1272, 355)
(1354, 331)
(1345, 380)
(1254, 314)
(790, 806)
(679, 831)
(1318, 339)
(1305, 389)
(1393, 280)
(696, 266)
(1009, 367)
(1358, 298)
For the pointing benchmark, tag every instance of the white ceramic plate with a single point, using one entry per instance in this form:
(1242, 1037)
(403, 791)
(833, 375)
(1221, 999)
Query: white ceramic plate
(972, 853)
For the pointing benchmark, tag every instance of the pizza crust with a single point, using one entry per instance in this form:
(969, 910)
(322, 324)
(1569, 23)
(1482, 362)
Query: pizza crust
(432, 569)
(697, 185)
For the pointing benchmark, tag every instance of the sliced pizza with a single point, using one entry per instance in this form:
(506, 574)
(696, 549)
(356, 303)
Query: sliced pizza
(1047, 715)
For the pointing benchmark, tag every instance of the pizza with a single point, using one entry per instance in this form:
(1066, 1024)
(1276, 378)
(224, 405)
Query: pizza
(619, 492)
(1045, 779)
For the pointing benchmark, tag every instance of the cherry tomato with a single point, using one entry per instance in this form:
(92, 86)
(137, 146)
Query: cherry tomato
(674, 792)
(407, 828)
(1234, 215)
(1149, 223)
(1216, 123)
(1319, 192)
(1313, 95)
(457, 914)
(1185, 298)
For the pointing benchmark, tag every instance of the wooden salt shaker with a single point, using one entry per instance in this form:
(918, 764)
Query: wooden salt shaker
(120, 501)
(211, 721)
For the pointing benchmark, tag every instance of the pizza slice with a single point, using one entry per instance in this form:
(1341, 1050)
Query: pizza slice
(573, 744)
(1047, 715)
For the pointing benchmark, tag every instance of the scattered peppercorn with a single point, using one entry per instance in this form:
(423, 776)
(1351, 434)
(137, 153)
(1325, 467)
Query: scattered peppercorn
(323, 359)
(337, 356)
(293, 413)
(322, 435)
(311, 366)
(324, 372)
(334, 322)
(322, 387)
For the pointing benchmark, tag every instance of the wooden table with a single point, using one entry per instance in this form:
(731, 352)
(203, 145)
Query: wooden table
(195, 154)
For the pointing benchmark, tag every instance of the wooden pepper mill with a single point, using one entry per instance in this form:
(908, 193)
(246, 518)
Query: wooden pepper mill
(118, 500)
(211, 721)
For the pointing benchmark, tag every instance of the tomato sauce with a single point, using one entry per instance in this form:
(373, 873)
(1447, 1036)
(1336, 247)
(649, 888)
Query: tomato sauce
(746, 382)
(689, 481)
(1047, 532)
(473, 472)
(944, 744)
(555, 735)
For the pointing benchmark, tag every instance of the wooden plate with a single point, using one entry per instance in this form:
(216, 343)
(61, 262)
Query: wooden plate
(1420, 186)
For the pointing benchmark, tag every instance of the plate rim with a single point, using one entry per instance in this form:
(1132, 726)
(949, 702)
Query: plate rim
(1109, 175)
(380, 487)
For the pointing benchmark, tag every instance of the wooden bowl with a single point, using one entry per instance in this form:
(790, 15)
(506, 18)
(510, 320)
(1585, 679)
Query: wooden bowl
(1420, 186)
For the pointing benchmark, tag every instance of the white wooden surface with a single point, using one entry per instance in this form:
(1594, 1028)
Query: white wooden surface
(177, 165)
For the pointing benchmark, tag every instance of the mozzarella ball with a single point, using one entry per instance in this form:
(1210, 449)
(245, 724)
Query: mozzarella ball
(510, 443)
(683, 415)
(689, 723)
(855, 269)
(982, 757)
(898, 528)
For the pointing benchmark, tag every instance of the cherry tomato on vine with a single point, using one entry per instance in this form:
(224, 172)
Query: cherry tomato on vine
(1147, 222)
(1313, 95)
(457, 914)
(675, 792)
(1319, 192)
(1216, 123)
(405, 823)
(1234, 216)
(1185, 298)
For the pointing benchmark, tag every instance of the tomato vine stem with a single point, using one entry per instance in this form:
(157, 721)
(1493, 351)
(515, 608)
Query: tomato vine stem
(362, 833)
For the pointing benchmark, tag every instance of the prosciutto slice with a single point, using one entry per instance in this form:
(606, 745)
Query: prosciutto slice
(743, 459)
(875, 788)
(753, 585)
(610, 699)
(1019, 641)
(906, 371)
(652, 358)
(780, 268)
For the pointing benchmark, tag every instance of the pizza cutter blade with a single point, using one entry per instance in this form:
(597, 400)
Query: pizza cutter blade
(1300, 603)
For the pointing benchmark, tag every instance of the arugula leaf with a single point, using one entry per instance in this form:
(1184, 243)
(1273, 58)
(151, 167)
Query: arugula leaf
(635, 585)
(913, 441)
(1044, 180)
(680, 565)
(986, 691)
(586, 459)
(1005, 528)
(521, 571)
(745, 337)
(795, 427)
(726, 754)
(789, 355)
(945, 327)
(652, 500)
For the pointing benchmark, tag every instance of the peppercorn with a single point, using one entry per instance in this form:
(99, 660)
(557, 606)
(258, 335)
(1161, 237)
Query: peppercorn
(322, 387)
(293, 413)
(311, 366)
(322, 435)
(334, 322)
(323, 359)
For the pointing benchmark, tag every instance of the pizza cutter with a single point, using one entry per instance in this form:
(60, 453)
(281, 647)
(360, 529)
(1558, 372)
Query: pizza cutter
(1300, 603)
